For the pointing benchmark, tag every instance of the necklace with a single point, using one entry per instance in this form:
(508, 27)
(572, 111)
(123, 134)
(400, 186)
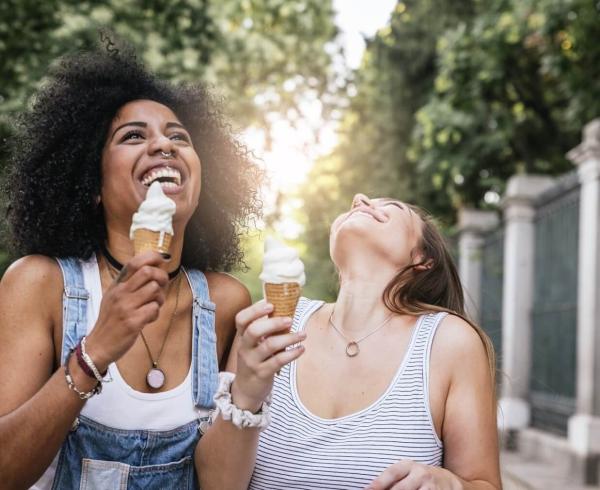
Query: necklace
(352, 348)
(155, 378)
(115, 264)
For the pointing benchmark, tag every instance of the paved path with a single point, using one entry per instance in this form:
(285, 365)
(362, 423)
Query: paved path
(518, 474)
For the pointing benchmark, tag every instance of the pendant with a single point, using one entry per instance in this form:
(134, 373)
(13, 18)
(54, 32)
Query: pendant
(352, 349)
(155, 378)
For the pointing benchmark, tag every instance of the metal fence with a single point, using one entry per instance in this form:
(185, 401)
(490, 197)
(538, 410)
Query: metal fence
(554, 313)
(491, 289)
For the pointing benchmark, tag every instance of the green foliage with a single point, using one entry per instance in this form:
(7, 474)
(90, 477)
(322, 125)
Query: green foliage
(395, 79)
(253, 255)
(512, 92)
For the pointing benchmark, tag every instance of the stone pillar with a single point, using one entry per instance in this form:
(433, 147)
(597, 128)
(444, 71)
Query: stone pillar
(473, 224)
(519, 213)
(584, 426)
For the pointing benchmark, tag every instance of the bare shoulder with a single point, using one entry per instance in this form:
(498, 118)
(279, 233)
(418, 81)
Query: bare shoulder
(456, 341)
(227, 292)
(34, 277)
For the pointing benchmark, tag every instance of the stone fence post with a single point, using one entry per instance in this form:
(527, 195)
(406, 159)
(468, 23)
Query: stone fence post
(519, 214)
(473, 224)
(584, 426)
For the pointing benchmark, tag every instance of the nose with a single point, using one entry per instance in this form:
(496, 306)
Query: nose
(163, 145)
(361, 199)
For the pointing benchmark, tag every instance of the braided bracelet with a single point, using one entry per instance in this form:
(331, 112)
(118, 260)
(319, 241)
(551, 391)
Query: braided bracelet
(240, 418)
(84, 395)
(90, 364)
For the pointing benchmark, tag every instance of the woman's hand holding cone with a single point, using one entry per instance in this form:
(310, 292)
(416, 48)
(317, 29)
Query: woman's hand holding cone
(262, 353)
(128, 305)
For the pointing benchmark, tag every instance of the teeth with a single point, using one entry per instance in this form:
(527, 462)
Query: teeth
(163, 173)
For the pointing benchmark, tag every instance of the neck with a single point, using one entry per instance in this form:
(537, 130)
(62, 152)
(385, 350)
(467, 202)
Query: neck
(359, 304)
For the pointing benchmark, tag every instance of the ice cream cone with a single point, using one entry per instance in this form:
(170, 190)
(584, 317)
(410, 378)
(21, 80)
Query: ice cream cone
(283, 296)
(152, 224)
(144, 239)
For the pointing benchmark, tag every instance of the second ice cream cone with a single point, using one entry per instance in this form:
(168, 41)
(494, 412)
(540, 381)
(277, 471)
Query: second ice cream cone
(284, 297)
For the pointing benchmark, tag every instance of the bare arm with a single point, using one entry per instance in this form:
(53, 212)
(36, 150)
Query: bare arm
(471, 459)
(225, 455)
(37, 408)
(470, 431)
(36, 404)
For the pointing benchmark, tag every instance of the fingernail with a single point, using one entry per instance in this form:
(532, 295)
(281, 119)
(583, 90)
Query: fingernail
(302, 335)
(166, 256)
(268, 307)
(287, 321)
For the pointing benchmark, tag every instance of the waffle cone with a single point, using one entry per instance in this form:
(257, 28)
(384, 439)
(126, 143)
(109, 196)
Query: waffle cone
(284, 297)
(143, 240)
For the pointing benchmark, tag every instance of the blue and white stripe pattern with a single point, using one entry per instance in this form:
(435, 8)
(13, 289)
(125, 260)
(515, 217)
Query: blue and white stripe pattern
(302, 451)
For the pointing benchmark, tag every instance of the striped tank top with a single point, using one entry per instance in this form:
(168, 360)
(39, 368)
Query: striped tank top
(302, 451)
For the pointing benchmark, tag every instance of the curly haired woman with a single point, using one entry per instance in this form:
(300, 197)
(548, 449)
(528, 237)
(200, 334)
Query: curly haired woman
(84, 321)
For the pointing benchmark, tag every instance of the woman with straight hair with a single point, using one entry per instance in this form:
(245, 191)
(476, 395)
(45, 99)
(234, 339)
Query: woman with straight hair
(390, 387)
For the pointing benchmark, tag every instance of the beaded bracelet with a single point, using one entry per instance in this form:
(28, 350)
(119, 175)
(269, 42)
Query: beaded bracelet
(71, 384)
(240, 418)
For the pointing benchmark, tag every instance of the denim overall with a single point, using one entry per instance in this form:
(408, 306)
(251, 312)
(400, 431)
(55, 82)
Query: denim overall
(95, 456)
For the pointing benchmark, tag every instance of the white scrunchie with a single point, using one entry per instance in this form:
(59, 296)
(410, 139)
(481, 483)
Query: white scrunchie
(240, 418)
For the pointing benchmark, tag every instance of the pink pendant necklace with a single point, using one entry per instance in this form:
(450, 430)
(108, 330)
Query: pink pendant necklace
(156, 377)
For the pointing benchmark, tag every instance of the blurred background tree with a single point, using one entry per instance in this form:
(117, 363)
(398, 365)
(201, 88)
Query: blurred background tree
(451, 99)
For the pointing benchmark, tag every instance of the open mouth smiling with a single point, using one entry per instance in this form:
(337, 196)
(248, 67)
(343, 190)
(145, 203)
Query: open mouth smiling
(168, 177)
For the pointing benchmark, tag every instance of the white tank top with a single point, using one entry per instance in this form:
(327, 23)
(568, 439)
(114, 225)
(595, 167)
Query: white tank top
(120, 406)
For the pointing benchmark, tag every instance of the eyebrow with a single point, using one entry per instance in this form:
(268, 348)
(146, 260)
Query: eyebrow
(141, 124)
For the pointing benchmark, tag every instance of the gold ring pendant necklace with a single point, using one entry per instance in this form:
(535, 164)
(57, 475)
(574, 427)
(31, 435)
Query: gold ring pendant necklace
(352, 347)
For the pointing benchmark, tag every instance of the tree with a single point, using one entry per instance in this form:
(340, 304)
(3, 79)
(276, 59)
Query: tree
(394, 80)
(455, 97)
(512, 92)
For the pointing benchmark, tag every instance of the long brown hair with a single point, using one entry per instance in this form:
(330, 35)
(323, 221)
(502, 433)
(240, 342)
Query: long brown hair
(432, 283)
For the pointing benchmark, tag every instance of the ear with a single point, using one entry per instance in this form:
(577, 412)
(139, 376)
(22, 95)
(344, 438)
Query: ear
(423, 267)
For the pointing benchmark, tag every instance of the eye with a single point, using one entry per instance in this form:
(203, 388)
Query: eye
(180, 137)
(132, 135)
(359, 202)
(394, 203)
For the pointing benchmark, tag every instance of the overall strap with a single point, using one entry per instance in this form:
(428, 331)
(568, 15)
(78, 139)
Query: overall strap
(75, 298)
(205, 366)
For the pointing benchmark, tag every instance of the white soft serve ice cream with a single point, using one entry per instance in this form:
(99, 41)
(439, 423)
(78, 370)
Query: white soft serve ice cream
(155, 213)
(281, 264)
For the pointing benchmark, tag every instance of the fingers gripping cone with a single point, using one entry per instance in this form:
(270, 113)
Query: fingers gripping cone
(151, 226)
